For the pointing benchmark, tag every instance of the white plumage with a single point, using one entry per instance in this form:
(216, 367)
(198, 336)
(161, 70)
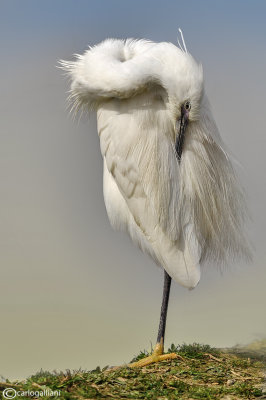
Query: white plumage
(182, 214)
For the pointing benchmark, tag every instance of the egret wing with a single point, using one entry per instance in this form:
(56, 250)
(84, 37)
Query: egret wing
(137, 141)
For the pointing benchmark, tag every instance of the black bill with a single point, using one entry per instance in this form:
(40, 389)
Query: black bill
(179, 143)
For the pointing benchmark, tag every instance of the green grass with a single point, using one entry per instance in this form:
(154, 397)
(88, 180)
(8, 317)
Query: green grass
(200, 372)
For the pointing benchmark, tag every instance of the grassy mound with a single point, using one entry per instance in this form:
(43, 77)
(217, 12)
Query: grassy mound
(199, 372)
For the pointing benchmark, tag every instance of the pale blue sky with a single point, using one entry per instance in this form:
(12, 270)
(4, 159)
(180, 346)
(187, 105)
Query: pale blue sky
(69, 284)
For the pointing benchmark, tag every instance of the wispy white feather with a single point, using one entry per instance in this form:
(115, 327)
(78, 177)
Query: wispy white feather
(184, 47)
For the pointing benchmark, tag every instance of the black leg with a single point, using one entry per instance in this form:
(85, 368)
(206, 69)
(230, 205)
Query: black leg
(157, 354)
(166, 292)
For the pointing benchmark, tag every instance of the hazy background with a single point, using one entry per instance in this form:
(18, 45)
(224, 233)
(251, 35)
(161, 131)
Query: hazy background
(73, 293)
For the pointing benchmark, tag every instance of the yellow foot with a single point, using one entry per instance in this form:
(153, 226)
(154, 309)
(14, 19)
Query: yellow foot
(156, 356)
(152, 359)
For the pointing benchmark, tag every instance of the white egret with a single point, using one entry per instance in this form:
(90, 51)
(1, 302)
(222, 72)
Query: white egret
(168, 180)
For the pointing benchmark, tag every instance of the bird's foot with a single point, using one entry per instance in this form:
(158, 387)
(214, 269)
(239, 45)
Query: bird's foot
(156, 356)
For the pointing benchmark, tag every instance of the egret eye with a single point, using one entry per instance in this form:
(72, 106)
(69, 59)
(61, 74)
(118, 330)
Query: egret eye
(187, 105)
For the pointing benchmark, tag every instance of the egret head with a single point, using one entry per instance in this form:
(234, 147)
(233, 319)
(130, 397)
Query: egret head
(182, 78)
